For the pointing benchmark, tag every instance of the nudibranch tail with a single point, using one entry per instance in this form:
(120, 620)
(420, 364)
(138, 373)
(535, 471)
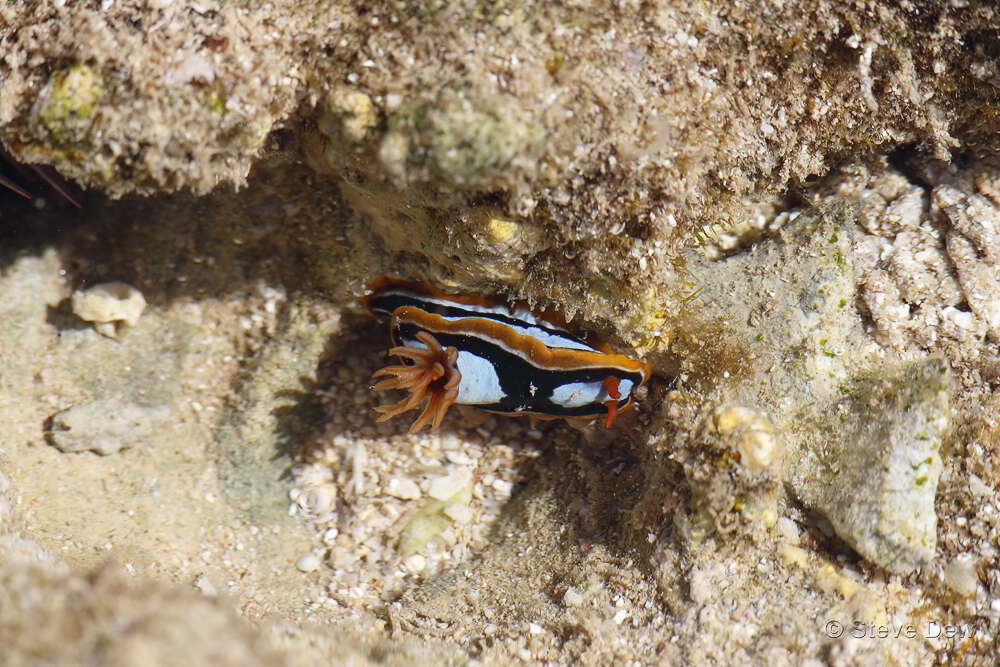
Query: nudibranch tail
(433, 375)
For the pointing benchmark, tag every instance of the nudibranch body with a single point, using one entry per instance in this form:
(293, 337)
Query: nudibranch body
(504, 359)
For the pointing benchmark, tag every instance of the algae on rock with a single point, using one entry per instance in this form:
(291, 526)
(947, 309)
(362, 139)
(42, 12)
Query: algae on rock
(789, 344)
(875, 477)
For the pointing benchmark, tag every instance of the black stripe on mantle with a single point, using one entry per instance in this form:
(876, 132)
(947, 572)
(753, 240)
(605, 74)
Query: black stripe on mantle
(527, 388)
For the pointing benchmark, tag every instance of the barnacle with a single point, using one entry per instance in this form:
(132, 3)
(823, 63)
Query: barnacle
(431, 373)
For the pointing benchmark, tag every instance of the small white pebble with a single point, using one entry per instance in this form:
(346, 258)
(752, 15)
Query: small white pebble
(728, 241)
(194, 67)
(205, 585)
(442, 488)
(320, 500)
(787, 528)
(960, 575)
(341, 557)
(977, 486)
(459, 512)
(403, 488)
(702, 582)
(360, 461)
(502, 487)
(415, 563)
(393, 101)
(572, 597)
(307, 563)
(459, 458)
(535, 629)
(620, 616)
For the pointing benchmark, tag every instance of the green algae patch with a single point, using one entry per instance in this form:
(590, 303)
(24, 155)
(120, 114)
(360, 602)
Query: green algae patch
(68, 101)
(430, 521)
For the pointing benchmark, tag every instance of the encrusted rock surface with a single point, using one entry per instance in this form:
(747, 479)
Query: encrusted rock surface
(791, 211)
(560, 151)
(855, 438)
(877, 478)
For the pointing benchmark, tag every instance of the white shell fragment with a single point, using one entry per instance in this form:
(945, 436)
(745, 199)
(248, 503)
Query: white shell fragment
(107, 304)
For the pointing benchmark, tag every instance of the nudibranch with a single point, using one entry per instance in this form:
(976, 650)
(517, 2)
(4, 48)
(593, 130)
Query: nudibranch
(508, 360)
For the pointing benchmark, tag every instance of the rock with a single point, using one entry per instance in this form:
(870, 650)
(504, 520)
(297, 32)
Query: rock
(860, 434)
(106, 426)
(351, 113)
(193, 68)
(771, 332)
(321, 499)
(107, 304)
(426, 524)
(875, 480)
(29, 284)
(928, 255)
